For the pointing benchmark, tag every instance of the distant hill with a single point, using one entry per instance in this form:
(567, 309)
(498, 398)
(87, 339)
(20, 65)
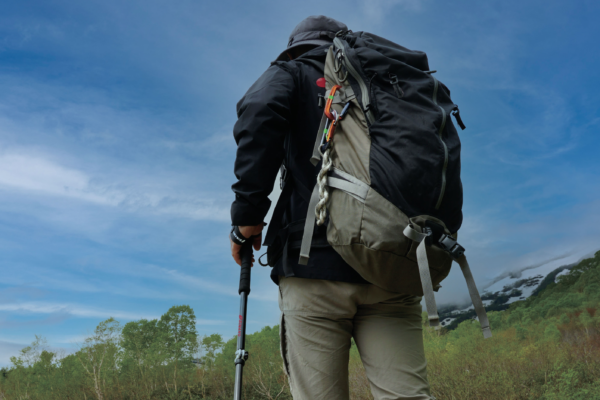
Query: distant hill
(515, 287)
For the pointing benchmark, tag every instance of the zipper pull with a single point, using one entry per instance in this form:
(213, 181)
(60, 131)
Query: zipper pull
(394, 83)
(456, 113)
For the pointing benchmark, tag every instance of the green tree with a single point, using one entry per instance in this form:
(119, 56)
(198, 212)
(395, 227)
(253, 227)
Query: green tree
(141, 352)
(179, 338)
(211, 345)
(100, 354)
(21, 373)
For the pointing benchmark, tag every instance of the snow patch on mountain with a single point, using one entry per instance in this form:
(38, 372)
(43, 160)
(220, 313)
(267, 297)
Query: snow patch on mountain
(512, 286)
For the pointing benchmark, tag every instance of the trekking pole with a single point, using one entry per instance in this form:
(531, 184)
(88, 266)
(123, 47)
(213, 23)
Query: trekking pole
(241, 355)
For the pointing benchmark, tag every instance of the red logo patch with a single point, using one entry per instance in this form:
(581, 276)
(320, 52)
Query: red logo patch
(321, 82)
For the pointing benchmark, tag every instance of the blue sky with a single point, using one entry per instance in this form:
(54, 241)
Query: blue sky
(116, 150)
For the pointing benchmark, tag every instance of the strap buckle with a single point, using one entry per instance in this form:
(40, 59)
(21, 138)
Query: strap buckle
(450, 244)
(441, 240)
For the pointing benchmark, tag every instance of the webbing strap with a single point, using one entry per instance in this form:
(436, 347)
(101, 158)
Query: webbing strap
(359, 192)
(338, 173)
(282, 202)
(475, 298)
(430, 304)
(316, 155)
(348, 94)
(289, 186)
(413, 235)
(309, 227)
(423, 263)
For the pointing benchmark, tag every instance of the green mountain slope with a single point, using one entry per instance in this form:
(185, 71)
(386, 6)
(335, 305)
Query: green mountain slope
(546, 347)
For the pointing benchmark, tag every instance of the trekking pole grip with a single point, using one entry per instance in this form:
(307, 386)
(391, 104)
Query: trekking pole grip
(246, 255)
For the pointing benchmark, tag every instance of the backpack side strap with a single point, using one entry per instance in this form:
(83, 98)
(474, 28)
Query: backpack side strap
(423, 263)
(337, 179)
(457, 252)
(475, 298)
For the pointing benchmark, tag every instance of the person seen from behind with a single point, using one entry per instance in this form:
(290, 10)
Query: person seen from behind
(326, 303)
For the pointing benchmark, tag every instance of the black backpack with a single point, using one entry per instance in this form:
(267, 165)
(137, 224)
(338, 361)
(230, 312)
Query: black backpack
(390, 177)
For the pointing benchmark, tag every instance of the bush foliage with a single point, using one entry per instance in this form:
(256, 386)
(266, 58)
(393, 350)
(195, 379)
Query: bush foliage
(546, 347)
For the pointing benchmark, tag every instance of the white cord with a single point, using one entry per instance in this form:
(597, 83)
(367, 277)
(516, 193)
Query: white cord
(321, 208)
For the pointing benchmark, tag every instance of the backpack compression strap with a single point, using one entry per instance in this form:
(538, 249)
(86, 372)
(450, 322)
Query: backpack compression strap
(337, 179)
(475, 298)
(423, 263)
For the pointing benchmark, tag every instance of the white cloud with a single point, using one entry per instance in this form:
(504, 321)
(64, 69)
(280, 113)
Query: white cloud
(188, 280)
(76, 310)
(201, 284)
(45, 177)
(37, 175)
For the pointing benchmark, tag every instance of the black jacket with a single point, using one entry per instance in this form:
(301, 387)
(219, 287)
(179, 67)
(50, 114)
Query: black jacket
(277, 123)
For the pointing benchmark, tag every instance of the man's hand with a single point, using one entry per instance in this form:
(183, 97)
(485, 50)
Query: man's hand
(247, 231)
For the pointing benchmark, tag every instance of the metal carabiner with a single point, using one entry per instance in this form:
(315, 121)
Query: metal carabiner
(344, 110)
(333, 125)
(325, 131)
(328, 133)
(330, 101)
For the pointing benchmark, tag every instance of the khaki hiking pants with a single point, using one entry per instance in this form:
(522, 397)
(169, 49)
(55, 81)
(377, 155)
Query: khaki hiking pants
(318, 319)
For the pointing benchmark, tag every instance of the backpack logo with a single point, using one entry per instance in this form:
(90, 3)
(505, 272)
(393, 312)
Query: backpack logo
(321, 82)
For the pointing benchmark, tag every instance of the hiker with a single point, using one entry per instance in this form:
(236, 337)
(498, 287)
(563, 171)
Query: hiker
(325, 303)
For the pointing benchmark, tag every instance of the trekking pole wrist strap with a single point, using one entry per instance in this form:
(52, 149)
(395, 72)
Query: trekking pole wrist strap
(236, 236)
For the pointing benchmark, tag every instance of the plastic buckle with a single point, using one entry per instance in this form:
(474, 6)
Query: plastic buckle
(449, 244)
(283, 177)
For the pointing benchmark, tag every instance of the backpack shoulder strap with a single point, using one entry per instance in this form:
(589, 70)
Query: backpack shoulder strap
(288, 185)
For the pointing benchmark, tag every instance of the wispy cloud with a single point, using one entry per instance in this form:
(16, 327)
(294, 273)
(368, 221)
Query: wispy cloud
(187, 280)
(42, 177)
(52, 319)
(71, 309)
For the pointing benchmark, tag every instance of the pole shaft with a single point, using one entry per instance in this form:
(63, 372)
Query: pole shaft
(246, 254)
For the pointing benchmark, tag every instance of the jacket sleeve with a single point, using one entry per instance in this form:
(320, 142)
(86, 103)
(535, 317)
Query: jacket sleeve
(264, 115)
